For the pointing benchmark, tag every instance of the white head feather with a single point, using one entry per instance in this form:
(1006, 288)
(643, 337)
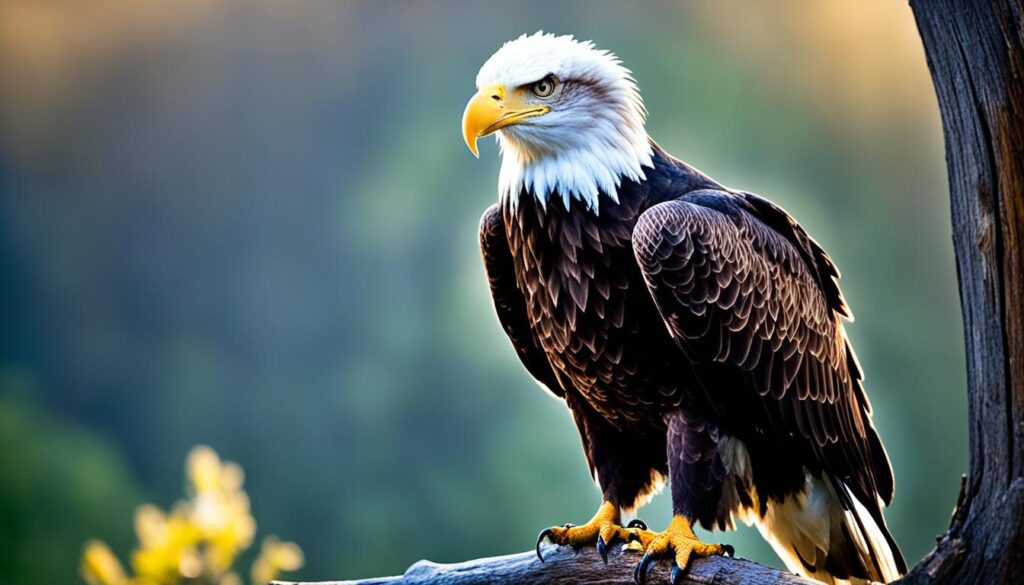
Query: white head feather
(592, 137)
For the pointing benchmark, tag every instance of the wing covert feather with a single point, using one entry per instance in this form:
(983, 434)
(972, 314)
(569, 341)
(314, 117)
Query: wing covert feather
(740, 285)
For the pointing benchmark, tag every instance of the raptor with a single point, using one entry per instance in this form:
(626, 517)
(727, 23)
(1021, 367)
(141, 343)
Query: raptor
(694, 331)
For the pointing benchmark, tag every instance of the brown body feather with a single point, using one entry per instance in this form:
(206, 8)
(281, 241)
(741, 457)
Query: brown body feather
(682, 314)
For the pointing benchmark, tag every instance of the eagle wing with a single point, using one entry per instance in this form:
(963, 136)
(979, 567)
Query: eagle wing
(509, 302)
(745, 292)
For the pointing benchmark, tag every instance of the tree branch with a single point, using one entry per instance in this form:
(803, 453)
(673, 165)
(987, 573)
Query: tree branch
(565, 566)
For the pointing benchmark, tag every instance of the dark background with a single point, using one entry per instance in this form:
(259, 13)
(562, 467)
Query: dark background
(253, 225)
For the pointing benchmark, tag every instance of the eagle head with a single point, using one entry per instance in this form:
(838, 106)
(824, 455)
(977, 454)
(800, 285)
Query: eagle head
(568, 117)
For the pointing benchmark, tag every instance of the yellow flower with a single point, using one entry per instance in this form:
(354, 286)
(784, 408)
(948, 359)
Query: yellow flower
(275, 557)
(168, 545)
(226, 524)
(199, 539)
(209, 474)
(150, 525)
(100, 566)
(220, 509)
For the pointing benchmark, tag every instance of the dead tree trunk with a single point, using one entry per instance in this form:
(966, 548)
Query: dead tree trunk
(975, 53)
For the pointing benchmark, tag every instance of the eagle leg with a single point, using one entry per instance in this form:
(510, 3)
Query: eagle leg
(603, 529)
(677, 541)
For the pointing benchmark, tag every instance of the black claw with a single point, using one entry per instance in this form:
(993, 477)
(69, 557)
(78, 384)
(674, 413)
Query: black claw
(633, 537)
(602, 549)
(568, 525)
(729, 550)
(677, 575)
(640, 573)
(546, 533)
(637, 523)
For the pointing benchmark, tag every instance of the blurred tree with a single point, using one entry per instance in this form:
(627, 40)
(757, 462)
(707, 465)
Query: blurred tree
(59, 485)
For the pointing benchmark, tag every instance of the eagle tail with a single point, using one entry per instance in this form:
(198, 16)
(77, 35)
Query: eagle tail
(865, 543)
(825, 533)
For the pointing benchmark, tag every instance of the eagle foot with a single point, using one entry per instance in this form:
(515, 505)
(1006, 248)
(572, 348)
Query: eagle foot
(602, 530)
(637, 523)
(679, 542)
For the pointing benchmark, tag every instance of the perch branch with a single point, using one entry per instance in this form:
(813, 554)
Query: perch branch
(567, 567)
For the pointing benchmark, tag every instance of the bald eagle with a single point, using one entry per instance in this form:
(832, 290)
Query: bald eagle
(694, 331)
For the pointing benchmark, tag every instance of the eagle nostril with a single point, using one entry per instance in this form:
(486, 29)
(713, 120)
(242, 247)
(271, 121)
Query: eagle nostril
(496, 97)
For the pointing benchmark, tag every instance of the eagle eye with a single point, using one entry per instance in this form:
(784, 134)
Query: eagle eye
(545, 87)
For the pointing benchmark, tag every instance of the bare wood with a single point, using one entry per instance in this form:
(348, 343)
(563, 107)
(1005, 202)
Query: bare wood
(565, 566)
(975, 53)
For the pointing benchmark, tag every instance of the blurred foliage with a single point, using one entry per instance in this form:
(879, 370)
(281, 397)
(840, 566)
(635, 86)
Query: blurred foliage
(199, 540)
(58, 485)
(252, 225)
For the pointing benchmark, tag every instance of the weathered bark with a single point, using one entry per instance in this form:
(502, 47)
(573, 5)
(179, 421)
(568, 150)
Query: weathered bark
(564, 566)
(975, 53)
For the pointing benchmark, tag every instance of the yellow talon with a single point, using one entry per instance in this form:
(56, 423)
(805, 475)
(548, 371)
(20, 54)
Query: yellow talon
(602, 529)
(679, 541)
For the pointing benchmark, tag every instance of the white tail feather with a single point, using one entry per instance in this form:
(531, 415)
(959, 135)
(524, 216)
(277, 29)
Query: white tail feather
(807, 529)
(811, 527)
(876, 545)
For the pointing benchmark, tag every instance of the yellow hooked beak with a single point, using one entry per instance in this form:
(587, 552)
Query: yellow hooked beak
(491, 110)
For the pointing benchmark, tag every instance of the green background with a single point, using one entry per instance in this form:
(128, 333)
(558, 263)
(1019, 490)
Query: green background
(253, 225)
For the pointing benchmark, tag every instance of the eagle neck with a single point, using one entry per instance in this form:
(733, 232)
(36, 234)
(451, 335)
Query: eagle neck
(583, 173)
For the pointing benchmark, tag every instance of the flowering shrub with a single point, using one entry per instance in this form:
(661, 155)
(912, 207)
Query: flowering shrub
(198, 541)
